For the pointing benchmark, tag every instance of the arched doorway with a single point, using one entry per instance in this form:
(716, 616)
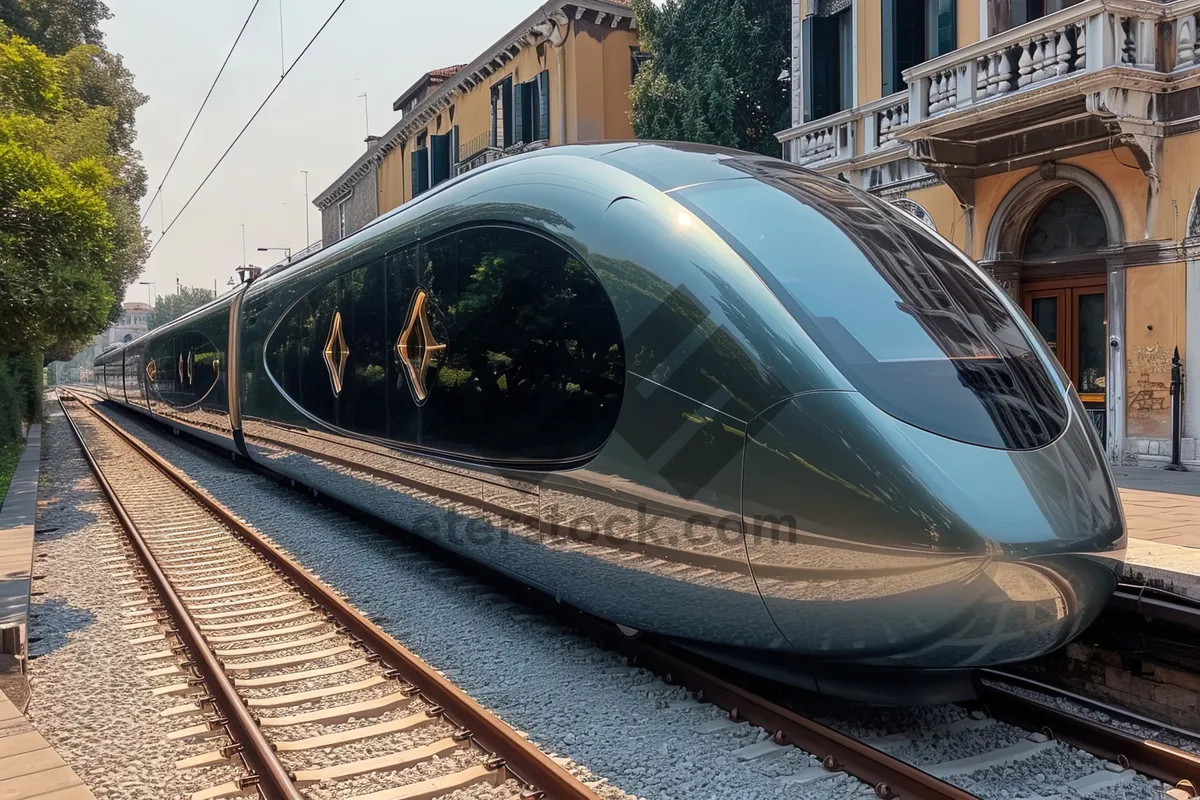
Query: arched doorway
(1064, 290)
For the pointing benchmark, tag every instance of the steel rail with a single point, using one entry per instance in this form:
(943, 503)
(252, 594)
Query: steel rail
(521, 759)
(1162, 761)
(891, 778)
(265, 771)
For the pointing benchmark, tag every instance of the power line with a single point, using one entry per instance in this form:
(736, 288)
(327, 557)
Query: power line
(250, 121)
(199, 111)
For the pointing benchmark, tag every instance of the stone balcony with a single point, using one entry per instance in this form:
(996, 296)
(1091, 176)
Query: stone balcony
(1058, 86)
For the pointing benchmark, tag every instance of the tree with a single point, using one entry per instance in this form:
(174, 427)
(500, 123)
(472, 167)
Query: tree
(174, 306)
(55, 26)
(713, 72)
(70, 239)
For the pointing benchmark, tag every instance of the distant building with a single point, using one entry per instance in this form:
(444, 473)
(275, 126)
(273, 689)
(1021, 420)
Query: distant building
(562, 75)
(133, 323)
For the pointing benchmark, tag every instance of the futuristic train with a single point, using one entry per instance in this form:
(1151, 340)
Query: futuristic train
(693, 391)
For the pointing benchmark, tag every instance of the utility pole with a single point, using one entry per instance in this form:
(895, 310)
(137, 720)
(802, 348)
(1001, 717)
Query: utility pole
(243, 245)
(366, 113)
(282, 69)
(307, 211)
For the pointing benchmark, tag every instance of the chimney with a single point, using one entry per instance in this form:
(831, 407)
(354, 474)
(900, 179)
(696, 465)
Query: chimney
(370, 140)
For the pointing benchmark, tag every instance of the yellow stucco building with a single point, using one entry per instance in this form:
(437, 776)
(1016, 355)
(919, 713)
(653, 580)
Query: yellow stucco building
(1055, 142)
(562, 75)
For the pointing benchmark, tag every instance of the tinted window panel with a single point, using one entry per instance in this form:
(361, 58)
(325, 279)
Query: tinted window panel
(527, 364)
(909, 322)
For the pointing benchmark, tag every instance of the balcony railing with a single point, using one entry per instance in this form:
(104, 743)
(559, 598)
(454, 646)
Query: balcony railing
(478, 152)
(1083, 39)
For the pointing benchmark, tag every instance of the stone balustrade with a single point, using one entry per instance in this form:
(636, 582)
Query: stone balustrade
(1158, 37)
(824, 142)
(1083, 38)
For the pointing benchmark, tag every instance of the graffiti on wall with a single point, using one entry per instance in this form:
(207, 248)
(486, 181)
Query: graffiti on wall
(1149, 370)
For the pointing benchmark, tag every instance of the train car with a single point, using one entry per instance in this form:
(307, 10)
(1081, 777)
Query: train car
(696, 392)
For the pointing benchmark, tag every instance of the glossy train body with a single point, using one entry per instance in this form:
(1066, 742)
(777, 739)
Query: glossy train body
(696, 392)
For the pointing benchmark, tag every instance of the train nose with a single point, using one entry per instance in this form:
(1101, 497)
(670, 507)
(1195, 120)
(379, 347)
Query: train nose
(875, 541)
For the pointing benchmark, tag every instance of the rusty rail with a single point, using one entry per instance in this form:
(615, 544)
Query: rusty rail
(263, 767)
(891, 778)
(522, 760)
(1162, 761)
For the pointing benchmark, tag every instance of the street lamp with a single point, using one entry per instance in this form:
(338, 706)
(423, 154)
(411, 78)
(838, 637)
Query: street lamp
(307, 210)
(287, 250)
(149, 291)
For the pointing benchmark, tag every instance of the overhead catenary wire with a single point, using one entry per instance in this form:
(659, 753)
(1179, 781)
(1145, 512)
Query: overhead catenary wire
(249, 122)
(199, 111)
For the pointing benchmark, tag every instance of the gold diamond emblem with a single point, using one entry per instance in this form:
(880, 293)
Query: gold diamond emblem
(416, 347)
(151, 370)
(336, 353)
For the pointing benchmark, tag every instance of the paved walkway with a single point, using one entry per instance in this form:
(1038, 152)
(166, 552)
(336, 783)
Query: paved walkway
(29, 767)
(16, 550)
(1161, 506)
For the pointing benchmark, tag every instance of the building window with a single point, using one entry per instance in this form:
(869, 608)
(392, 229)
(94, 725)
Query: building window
(1006, 14)
(341, 212)
(828, 46)
(502, 113)
(636, 57)
(914, 32)
(1070, 223)
(531, 120)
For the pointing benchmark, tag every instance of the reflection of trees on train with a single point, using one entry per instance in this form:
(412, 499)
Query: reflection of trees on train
(187, 370)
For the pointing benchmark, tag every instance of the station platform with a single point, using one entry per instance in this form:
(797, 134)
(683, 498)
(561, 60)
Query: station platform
(17, 517)
(1162, 510)
(29, 766)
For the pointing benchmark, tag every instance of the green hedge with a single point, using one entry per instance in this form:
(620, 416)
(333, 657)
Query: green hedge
(20, 393)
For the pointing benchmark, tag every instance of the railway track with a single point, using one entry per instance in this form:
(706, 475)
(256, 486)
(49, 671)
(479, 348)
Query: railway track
(865, 759)
(276, 669)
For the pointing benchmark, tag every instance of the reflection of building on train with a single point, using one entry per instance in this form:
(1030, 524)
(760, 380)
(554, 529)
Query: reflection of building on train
(1053, 142)
(686, 390)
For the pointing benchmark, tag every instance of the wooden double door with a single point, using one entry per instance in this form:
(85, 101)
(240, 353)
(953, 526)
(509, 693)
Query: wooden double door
(1072, 316)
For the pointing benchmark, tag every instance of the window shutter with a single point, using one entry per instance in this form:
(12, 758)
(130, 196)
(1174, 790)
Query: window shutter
(521, 116)
(822, 89)
(420, 170)
(439, 159)
(903, 35)
(947, 26)
(455, 149)
(506, 99)
(495, 99)
(543, 106)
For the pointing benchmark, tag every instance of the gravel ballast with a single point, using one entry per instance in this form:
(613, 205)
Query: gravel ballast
(91, 699)
(620, 727)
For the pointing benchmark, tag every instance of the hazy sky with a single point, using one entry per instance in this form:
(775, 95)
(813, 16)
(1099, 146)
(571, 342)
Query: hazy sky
(314, 122)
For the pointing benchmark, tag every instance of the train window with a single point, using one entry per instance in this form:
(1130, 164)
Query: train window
(521, 354)
(363, 302)
(916, 329)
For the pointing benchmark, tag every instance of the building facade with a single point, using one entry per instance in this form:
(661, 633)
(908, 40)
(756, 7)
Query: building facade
(1058, 144)
(562, 75)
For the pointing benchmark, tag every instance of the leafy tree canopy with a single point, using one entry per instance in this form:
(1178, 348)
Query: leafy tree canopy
(69, 235)
(713, 72)
(173, 306)
(55, 26)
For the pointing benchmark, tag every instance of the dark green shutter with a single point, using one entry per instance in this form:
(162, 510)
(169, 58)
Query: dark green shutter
(543, 106)
(455, 149)
(903, 40)
(506, 97)
(521, 132)
(420, 170)
(820, 38)
(439, 159)
(947, 26)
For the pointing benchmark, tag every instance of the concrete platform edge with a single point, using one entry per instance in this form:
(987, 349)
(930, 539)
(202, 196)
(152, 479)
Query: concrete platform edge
(18, 518)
